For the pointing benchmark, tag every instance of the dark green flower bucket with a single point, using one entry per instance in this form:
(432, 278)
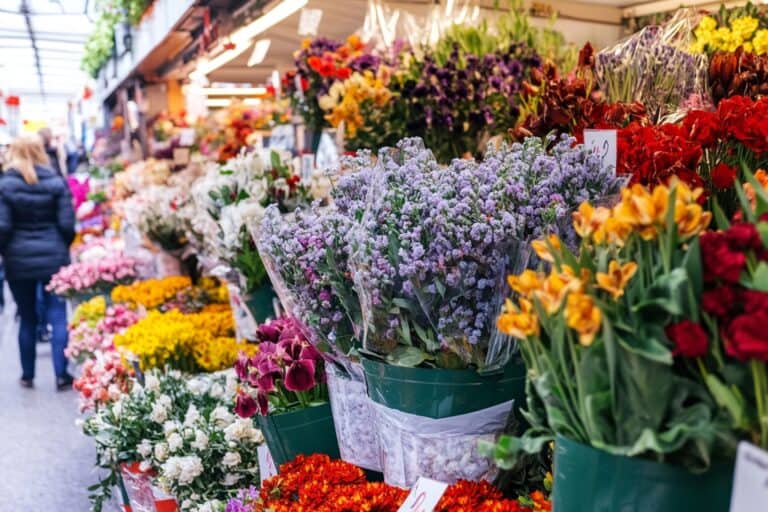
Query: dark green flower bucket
(588, 479)
(259, 303)
(305, 431)
(438, 393)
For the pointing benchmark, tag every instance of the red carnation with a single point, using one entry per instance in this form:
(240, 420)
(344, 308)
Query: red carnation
(703, 127)
(746, 337)
(720, 301)
(744, 236)
(723, 175)
(689, 338)
(720, 262)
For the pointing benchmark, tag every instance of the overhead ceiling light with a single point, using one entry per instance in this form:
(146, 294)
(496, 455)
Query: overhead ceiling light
(243, 37)
(234, 91)
(260, 50)
(252, 101)
(217, 102)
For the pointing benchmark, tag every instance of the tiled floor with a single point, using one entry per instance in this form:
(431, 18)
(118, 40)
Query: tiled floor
(46, 464)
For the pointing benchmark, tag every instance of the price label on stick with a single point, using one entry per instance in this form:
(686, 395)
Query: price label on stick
(267, 468)
(424, 496)
(750, 481)
(603, 143)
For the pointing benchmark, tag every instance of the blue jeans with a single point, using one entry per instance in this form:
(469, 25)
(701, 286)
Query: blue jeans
(26, 294)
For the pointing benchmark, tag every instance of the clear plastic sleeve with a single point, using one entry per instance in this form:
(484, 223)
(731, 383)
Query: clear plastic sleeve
(138, 485)
(442, 449)
(353, 416)
(654, 66)
(245, 325)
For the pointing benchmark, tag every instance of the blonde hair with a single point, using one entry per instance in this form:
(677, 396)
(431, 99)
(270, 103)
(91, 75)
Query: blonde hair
(24, 153)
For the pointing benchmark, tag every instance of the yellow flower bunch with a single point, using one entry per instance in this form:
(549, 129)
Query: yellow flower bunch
(576, 292)
(221, 353)
(742, 31)
(215, 290)
(90, 311)
(188, 342)
(151, 293)
(346, 101)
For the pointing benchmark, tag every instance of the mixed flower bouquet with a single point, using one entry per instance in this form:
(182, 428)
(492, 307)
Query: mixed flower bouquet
(654, 67)
(179, 429)
(92, 277)
(159, 217)
(434, 243)
(321, 484)
(94, 326)
(286, 373)
(103, 379)
(601, 324)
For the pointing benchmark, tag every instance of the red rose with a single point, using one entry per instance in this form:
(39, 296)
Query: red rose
(720, 301)
(703, 127)
(720, 262)
(744, 236)
(723, 175)
(689, 338)
(746, 337)
(754, 301)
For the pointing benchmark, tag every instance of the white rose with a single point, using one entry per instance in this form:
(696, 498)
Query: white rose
(175, 442)
(197, 386)
(172, 468)
(191, 468)
(217, 390)
(145, 466)
(221, 417)
(201, 441)
(241, 429)
(186, 504)
(191, 416)
(170, 427)
(231, 459)
(161, 451)
(159, 413)
(151, 383)
(144, 448)
(231, 479)
(165, 401)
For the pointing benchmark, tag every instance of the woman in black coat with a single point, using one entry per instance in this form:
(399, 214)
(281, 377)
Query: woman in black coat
(37, 224)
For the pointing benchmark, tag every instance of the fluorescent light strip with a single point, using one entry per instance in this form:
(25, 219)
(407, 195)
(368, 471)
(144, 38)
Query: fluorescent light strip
(260, 50)
(243, 37)
(234, 91)
(217, 102)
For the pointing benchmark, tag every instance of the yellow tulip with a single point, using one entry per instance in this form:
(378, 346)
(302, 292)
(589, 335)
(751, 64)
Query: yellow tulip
(587, 219)
(519, 322)
(525, 283)
(554, 289)
(542, 249)
(583, 316)
(617, 277)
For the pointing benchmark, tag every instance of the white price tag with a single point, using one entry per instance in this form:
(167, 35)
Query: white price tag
(307, 167)
(267, 468)
(187, 137)
(602, 142)
(750, 480)
(309, 21)
(424, 496)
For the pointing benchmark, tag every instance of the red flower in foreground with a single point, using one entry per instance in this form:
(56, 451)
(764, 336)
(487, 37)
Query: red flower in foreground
(723, 175)
(746, 337)
(703, 127)
(689, 338)
(720, 261)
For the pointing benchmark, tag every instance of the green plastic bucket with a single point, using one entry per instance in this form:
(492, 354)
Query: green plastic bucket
(259, 303)
(588, 479)
(305, 431)
(438, 393)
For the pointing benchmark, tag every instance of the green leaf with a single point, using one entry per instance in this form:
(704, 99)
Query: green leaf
(730, 399)
(667, 293)
(762, 228)
(274, 158)
(648, 347)
(721, 220)
(760, 277)
(407, 356)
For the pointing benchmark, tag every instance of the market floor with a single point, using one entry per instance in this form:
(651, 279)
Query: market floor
(45, 462)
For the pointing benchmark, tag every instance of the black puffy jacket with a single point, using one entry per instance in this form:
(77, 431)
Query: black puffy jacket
(37, 224)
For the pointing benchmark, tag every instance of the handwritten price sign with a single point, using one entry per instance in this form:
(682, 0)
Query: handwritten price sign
(424, 496)
(602, 142)
(750, 481)
(267, 468)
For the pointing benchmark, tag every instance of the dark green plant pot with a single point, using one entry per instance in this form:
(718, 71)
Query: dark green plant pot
(259, 303)
(438, 393)
(305, 431)
(588, 479)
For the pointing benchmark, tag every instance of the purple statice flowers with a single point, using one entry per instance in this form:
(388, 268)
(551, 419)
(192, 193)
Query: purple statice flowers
(244, 501)
(435, 243)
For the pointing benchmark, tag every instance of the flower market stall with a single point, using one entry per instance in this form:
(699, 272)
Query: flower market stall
(535, 277)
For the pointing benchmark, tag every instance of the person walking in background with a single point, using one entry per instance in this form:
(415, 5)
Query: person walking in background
(37, 224)
(51, 149)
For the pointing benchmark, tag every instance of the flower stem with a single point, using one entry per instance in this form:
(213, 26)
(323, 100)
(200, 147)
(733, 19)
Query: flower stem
(761, 395)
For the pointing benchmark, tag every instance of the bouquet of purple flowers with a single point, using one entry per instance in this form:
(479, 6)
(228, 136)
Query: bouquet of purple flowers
(287, 372)
(435, 244)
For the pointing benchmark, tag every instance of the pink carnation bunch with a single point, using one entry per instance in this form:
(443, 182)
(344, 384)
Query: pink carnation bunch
(85, 339)
(104, 378)
(287, 372)
(93, 276)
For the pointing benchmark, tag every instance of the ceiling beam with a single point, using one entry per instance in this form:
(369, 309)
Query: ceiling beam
(24, 9)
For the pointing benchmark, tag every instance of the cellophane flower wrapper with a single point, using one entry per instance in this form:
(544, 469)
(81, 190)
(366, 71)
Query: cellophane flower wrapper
(435, 243)
(138, 485)
(245, 325)
(306, 255)
(443, 449)
(353, 416)
(654, 67)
